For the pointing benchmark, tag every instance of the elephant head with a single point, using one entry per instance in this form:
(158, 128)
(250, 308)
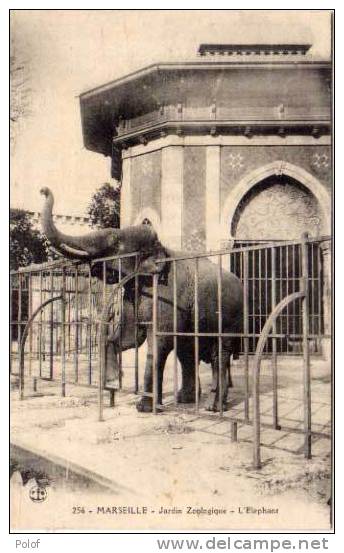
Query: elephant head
(105, 243)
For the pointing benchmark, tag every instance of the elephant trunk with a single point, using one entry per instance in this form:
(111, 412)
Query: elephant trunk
(111, 241)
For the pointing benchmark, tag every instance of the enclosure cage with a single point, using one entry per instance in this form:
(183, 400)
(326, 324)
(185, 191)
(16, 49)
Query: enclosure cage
(269, 270)
(61, 315)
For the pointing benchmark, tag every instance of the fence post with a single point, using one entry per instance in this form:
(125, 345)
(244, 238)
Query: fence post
(234, 431)
(102, 351)
(246, 331)
(21, 352)
(120, 356)
(136, 314)
(256, 417)
(274, 344)
(219, 315)
(89, 327)
(51, 328)
(196, 339)
(63, 333)
(29, 316)
(40, 324)
(155, 343)
(307, 405)
(11, 319)
(175, 343)
(76, 326)
(19, 317)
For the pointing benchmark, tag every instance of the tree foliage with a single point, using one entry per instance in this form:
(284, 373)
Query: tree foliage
(104, 207)
(27, 245)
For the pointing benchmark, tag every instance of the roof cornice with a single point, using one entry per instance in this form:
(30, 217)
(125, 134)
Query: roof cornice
(209, 66)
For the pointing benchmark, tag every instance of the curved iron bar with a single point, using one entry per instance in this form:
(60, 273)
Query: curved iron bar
(23, 340)
(256, 370)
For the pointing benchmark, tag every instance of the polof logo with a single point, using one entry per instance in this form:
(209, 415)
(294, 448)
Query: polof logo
(38, 493)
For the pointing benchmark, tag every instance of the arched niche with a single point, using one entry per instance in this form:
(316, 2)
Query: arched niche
(278, 207)
(303, 194)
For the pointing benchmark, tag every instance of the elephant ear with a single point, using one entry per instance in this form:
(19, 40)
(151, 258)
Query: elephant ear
(150, 260)
(144, 240)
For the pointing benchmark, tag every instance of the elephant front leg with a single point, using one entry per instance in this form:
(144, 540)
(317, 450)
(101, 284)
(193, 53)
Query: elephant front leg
(213, 399)
(113, 370)
(145, 403)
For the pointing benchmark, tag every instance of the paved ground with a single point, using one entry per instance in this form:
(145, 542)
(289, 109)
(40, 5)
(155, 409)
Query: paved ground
(177, 459)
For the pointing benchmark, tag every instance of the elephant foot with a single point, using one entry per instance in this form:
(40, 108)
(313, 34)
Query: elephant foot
(213, 404)
(187, 396)
(145, 405)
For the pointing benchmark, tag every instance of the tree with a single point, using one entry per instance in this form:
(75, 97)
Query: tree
(20, 87)
(104, 208)
(27, 245)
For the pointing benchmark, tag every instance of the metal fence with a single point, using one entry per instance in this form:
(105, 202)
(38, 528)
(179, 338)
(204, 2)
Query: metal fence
(272, 271)
(62, 313)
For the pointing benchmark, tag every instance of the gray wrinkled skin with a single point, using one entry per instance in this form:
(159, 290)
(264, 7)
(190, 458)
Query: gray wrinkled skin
(143, 239)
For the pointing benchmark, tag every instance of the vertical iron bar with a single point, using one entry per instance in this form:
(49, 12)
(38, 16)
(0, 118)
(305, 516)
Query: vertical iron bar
(306, 358)
(76, 326)
(260, 288)
(219, 303)
(63, 333)
(19, 318)
(101, 357)
(274, 342)
(105, 329)
(254, 302)
(281, 295)
(294, 305)
(89, 326)
(29, 315)
(155, 344)
(266, 277)
(12, 277)
(175, 343)
(40, 323)
(287, 293)
(246, 331)
(137, 384)
(312, 290)
(120, 358)
(319, 294)
(69, 296)
(196, 330)
(256, 416)
(51, 328)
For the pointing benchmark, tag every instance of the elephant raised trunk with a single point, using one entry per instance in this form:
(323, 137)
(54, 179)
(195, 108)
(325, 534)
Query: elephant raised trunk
(152, 258)
(102, 242)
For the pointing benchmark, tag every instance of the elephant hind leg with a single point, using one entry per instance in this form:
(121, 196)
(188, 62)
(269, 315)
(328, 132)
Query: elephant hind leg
(213, 399)
(186, 356)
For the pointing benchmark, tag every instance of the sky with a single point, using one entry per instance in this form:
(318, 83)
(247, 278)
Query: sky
(69, 51)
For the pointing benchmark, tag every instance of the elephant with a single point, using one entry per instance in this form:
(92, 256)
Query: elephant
(152, 253)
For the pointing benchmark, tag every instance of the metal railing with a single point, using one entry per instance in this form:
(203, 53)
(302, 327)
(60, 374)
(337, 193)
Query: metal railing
(220, 114)
(62, 313)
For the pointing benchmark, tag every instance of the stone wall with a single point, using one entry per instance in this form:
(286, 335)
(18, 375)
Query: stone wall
(145, 183)
(174, 184)
(236, 161)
